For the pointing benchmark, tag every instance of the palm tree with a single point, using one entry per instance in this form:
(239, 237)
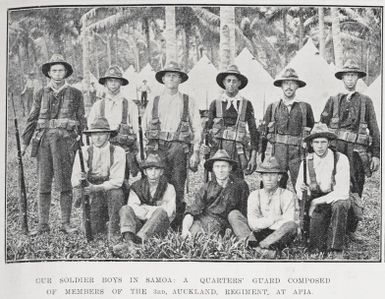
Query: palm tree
(321, 25)
(227, 36)
(336, 33)
(171, 50)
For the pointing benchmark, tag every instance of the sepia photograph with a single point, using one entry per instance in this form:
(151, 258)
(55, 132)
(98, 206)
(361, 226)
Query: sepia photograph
(193, 133)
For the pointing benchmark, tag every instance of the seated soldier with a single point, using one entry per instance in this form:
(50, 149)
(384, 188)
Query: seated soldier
(209, 210)
(328, 182)
(271, 212)
(105, 166)
(150, 208)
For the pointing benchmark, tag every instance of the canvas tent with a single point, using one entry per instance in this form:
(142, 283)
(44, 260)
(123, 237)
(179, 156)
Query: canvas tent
(260, 89)
(147, 73)
(374, 92)
(201, 84)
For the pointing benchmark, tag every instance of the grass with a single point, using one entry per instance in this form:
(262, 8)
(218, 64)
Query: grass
(59, 246)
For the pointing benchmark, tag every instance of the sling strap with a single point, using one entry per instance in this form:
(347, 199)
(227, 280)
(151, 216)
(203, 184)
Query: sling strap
(125, 115)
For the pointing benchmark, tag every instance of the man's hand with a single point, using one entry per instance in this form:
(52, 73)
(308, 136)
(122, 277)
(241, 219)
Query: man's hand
(375, 164)
(205, 149)
(251, 166)
(194, 161)
(306, 188)
(91, 189)
(23, 149)
(313, 205)
(83, 176)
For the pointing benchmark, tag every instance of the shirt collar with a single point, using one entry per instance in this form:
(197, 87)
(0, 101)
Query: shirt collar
(50, 85)
(287, 103)
(103, 148)
(113, 97)
(227, 98)
(318, 159)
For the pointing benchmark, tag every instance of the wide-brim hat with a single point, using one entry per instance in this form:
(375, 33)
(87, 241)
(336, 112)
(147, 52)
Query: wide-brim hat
(270, 165)
(56, 59)
(100, 125)
(171, 67)
(320, 130)
(153, 160)
(220, 155)
(289, 74)
(232, 70)
(350, 66)
(114, 72)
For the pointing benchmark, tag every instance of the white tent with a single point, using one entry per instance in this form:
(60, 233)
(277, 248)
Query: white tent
(260, 89)
(147, 73)
(374, 92)
(201, 84)
(130, 90)
(315, 71)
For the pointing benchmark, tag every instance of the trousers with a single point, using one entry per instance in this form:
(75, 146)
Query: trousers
(325, 215)
(157, 224)
(105, 207)
(55, 158)
(265, 238)
(175, 157)
(44, 206)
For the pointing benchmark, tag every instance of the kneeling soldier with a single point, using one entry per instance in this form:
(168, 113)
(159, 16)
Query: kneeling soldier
(150, 207)
(328, 181)
(271, 212)
(105, 166)
(216, 200)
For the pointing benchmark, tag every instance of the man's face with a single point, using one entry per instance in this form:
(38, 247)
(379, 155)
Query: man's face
(171, 80)
(57, 72)
(289, 88)
(350, 80)
(320, 146)
(113, 84)
(153, 173)
(222, 169)
(270, 180)
(100, 139)
(231, 84)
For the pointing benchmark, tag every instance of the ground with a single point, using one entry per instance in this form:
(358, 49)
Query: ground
(58, 246)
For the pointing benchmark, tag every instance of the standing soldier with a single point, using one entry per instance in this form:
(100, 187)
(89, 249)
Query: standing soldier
(144, 90)
(172, 127)
(227, 121)
(55, 120)
(120, 114)
(352, 118)
(287, 121)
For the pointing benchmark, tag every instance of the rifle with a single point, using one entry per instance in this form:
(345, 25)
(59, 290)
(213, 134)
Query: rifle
(21, 182)
(141, 145)
(304, 205)
(86, 199)
(207, 156)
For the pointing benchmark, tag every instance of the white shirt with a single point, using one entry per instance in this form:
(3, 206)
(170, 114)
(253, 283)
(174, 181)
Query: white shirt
(144, 212)
(113, 111)
(101, 166)
(323, 167)
(289, 104)
(170, 110)
(263, 209)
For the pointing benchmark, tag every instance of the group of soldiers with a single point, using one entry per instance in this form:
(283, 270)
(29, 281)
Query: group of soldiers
(327, 161)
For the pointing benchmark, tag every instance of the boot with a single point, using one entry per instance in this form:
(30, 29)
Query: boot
(251, 241)
(127, 247)
(266, 253)
(356, 237)
(66, 206)
(44, 205)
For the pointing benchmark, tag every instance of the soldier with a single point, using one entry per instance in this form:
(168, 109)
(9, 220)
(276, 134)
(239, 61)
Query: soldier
(55, 120)
(287, 121)
(172, 127)
(352, 118)
(121, 114)
(150, 208)
(105, 166)
(327, 185)
(217, 202)
(227, 120)
(144, 90)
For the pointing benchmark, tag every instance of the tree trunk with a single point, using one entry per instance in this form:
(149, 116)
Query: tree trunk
(146, 25)
(321, 24)
(367, 64)
(227, 36)
(86, 67)
(301, 30)
(116, 46)
(337, 44)
(171, 51)
(186, 56)
(109, 55)
(284, 17)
